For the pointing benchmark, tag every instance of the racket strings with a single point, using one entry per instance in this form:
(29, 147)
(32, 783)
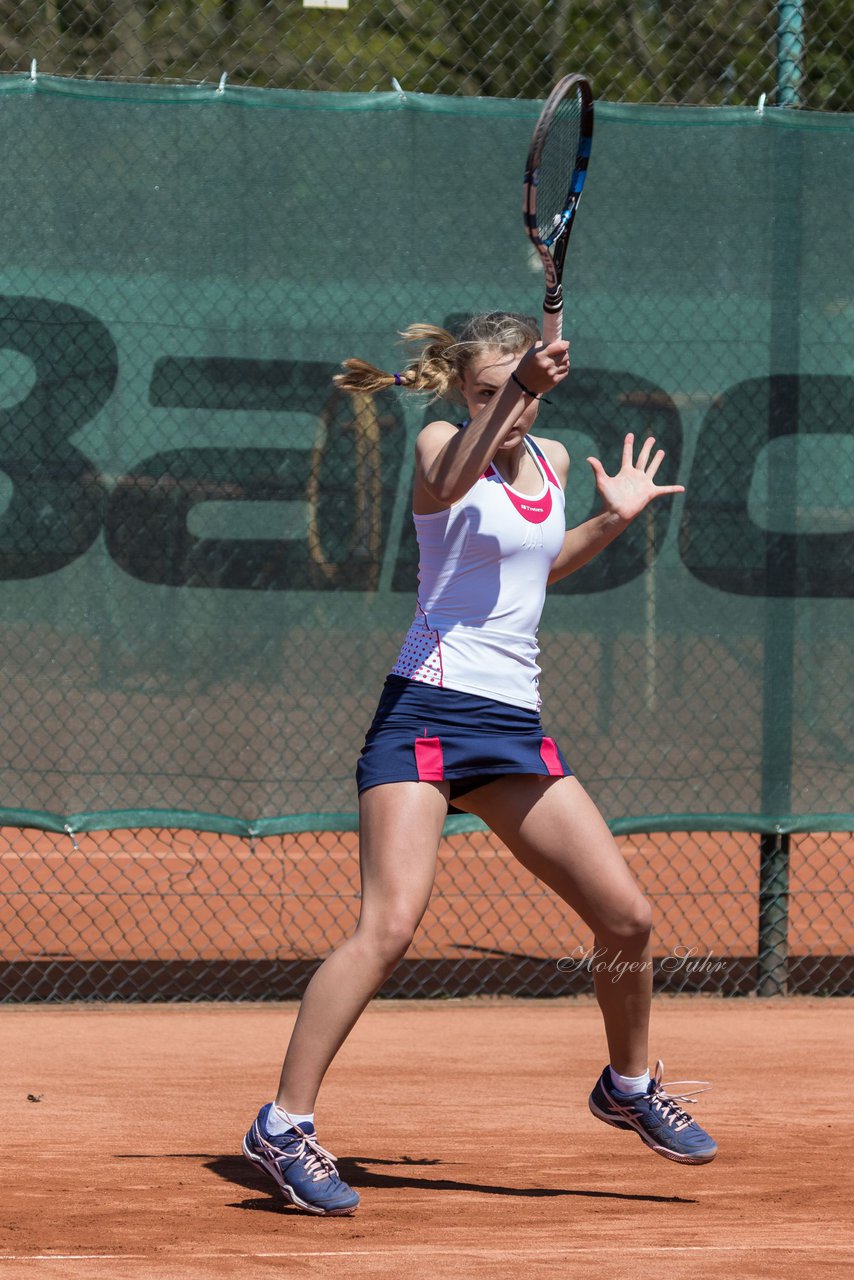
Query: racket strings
(557, 166)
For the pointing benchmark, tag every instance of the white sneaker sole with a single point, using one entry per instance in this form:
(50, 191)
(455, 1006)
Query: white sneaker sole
(626, 1125)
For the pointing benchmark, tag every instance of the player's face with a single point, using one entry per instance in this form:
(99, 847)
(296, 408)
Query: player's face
(484, 377)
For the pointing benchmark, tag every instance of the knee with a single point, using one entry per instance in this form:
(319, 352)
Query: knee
(388, 938)
(629, 927)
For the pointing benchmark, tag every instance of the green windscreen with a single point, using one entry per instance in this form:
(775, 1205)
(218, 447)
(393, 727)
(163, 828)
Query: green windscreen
(206, 557)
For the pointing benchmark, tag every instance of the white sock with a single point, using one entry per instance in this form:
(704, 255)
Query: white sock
(279, 1120)
(629, 1084)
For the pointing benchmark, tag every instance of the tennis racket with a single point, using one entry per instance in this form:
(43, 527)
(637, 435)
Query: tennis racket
(554, 178)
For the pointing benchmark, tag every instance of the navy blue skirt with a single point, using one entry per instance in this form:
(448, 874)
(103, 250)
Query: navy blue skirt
(421, 733)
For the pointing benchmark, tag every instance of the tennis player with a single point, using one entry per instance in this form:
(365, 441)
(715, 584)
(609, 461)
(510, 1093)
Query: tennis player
(458, 726)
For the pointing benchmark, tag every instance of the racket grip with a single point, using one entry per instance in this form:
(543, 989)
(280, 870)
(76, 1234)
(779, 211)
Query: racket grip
(552, 326)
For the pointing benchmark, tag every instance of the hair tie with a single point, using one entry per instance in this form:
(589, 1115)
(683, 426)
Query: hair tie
(398, 381)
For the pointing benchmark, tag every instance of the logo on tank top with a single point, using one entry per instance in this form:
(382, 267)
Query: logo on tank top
(534, 510)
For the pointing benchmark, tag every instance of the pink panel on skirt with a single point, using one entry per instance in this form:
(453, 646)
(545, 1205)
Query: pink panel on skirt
(550, 757)
(428, 760)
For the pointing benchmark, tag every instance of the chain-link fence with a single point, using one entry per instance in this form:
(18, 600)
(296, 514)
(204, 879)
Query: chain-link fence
(164, 915)
(168, 341)
(696, 51)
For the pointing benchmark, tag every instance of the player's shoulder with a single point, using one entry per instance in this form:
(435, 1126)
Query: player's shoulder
(434, 436)
(438, 429)
(556, 456)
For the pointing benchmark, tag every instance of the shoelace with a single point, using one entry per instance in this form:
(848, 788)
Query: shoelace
(316, 1160)
(667, 1103)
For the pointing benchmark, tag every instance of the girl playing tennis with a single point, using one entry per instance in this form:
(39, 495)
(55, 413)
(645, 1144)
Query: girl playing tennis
(458, 725)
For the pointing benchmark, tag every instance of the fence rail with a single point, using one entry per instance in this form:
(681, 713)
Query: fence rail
(160, 915)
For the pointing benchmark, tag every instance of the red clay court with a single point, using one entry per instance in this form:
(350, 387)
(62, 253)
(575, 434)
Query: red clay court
(463, 1125)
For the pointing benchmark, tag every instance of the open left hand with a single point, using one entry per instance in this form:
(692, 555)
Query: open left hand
(633, 487)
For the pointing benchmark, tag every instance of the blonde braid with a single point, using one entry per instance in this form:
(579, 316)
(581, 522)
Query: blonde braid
(361, 376)
(441, 358)
(433, 367)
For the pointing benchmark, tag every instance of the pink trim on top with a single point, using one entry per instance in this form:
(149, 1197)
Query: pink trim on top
(534, 510)
(550, 475)
(550, 758)
(429, 760)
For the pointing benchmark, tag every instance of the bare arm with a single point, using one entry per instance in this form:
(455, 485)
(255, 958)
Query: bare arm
(623, 496)
(449, 462)
(581, 544)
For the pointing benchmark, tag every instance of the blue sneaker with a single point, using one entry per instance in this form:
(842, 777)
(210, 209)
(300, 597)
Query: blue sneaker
(656, 1116)
(300, 1167)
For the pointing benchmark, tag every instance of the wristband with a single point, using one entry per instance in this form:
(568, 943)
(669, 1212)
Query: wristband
(527, 392)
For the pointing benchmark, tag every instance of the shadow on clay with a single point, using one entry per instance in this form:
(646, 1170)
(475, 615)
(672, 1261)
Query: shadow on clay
(400, 1174)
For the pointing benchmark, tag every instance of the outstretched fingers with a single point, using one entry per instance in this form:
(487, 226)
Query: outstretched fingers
(649, 463)
(654, 464)
(633, 487)
(661, 489)
(643, 456)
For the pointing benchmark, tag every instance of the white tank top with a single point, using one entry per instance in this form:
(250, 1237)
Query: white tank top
(483, 568)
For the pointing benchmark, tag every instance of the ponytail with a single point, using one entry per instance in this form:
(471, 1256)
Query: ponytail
(433, 367)
(441, 358)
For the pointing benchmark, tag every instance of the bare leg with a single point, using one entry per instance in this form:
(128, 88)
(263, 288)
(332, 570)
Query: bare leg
(555, 830)
(400, 825)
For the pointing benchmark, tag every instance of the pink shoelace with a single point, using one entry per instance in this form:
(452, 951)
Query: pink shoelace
(316, 1160)
(669, 1104)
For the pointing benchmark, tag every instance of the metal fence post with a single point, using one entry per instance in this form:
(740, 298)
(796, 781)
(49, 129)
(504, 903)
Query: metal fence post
(773, 915)
(790, 52)
(781, 555)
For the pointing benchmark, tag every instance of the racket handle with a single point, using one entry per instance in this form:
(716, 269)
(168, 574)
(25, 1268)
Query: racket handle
(552, 326)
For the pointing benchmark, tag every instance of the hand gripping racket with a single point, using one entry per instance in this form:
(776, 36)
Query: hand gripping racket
(554, 178)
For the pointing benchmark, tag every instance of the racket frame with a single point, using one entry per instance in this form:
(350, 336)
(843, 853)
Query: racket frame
(552, 248)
